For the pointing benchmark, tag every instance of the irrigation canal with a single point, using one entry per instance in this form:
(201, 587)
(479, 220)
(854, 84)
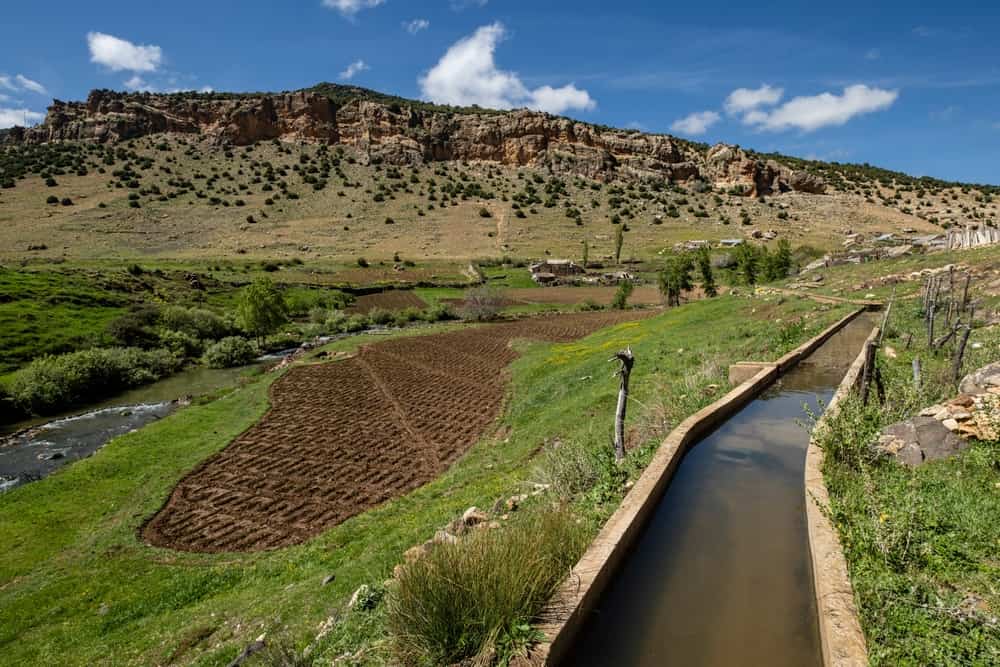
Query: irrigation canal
(721, 574)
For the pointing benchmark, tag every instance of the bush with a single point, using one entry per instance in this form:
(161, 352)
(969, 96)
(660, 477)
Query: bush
(230, 351)
(135, 328)
(622, 294)
(407, 315)
(53, 383)
(380, 316)
(181, 344)
(196, 322)
(439, 313)
(354, 323)
(480, 594)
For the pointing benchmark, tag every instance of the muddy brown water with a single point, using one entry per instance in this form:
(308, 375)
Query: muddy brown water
(721, 575)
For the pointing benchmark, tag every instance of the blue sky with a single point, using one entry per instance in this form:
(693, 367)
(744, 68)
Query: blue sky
(891, 83)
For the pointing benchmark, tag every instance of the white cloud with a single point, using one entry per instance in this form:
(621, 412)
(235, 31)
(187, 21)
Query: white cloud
(21, 83)
(696, 123)
(350, 8)
(353, 69)
(416, 25)
(28, 84)
(467, 74)
(138, 84)
(459, 5)
(12, 117)
(120, 54)
(742, 100)
(816, 111)
(559, 100)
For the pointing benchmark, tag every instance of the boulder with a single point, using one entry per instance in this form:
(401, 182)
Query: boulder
(980, 381)
(917, 440)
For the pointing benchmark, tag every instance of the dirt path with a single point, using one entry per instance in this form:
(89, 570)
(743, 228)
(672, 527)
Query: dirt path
(343, 437)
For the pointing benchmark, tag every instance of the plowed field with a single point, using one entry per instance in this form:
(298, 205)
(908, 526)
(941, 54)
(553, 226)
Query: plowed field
(392, 300)
(345, 436)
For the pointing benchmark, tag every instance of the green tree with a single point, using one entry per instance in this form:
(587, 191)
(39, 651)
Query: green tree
(624, 291)
(704, 259)
(747, 263)
(586, 253)
(675, 277)
(619, 242)
(261, 309)
(782, 260)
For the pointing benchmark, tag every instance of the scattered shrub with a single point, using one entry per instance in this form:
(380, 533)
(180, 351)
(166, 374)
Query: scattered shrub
(624, 291)
(230, 351)
(480, 594)
(380, 316)
(196, 322)
(53, 383)
(482, 303)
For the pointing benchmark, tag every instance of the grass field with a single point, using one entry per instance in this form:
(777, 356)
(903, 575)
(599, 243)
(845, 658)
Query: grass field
(77, 587)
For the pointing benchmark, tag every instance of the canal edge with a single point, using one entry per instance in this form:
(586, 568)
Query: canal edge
(842, 640)
(564, 615)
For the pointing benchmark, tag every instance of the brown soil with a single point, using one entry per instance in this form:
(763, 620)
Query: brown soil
(343, 437)
(642, 295)
(391, 300)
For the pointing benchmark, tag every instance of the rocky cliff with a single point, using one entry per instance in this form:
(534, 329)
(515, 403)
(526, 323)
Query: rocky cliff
(411, 134)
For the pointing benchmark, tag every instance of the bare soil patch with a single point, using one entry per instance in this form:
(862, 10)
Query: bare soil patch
(391, 300)
(343, 437)
(642, 295)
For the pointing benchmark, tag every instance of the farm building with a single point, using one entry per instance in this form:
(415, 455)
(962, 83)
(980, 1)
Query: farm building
(552, 270)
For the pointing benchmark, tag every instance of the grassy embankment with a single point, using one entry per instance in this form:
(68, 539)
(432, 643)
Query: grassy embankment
(77, 587)
(921, 544)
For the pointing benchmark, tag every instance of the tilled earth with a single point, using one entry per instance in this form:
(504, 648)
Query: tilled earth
(345, 436)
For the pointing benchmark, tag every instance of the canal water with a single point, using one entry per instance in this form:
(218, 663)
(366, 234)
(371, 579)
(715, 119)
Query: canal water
(721, 575)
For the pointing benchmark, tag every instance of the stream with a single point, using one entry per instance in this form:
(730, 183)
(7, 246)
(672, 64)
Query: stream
(721, 574)
(34, 448)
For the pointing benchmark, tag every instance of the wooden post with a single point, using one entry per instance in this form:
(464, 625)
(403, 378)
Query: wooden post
(626, 359)
(965, 292)
(916, 373)
(885, 320)
(869, 371)
(956, 364)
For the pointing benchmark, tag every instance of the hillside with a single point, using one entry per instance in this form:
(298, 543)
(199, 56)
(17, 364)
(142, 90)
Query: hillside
(335, 172)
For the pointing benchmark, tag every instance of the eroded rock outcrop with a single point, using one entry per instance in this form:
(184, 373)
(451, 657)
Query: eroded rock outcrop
(410, 134)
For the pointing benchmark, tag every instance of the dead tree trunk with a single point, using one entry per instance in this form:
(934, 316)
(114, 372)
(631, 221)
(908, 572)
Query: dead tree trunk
(956, 364)
(965, 293)
(626, 359)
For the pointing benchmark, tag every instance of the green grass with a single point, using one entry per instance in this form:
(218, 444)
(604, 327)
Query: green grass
(921, 544)
(50, 313)
(78, 588)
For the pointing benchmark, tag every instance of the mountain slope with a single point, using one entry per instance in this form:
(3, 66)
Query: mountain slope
(339, 171)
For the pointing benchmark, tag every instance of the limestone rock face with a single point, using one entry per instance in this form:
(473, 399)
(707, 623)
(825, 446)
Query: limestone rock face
(402, 134)
(730, 166)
